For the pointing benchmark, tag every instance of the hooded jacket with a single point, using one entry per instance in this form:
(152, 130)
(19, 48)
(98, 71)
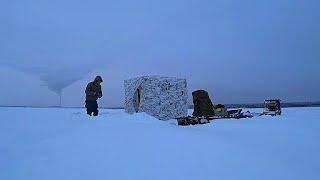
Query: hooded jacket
(93, 90)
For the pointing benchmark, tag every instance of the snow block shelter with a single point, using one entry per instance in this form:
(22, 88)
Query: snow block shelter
(162, 97)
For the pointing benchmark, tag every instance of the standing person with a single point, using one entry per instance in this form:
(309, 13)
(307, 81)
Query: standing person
(93, 93)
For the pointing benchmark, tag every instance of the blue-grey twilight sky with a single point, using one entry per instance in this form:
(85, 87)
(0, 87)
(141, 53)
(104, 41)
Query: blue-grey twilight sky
(239, 50)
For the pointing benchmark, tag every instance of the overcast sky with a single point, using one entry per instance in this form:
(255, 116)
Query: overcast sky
(241, 51)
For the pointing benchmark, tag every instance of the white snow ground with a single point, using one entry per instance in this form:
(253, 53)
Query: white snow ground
(65, 144)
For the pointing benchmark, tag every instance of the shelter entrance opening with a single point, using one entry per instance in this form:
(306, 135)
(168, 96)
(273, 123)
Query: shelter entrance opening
(137, 99)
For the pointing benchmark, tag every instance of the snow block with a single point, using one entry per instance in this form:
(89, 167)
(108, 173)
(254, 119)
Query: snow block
(161, 97)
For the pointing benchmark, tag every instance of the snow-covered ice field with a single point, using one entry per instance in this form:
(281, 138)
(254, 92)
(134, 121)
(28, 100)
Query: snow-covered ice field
(65, 144)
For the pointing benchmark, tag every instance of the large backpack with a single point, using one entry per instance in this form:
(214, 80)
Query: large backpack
(202, 104)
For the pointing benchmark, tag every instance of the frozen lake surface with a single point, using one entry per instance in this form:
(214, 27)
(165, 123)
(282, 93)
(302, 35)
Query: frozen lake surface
(65, 144)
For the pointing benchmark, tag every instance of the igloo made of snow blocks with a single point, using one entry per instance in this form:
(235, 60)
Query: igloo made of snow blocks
(161, 97)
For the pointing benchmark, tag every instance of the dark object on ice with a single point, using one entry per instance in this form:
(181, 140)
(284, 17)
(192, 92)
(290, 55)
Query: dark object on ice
(272, 107)
(93, 93)
(246, 114)
(186, 121)
(202, 104)
(220, 110)
(236, 113)
(232, 114)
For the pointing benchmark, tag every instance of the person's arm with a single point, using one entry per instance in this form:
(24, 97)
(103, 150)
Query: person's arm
(100, 93)
(88, 91)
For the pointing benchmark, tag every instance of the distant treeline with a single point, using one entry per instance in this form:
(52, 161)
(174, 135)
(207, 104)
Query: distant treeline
(253, 105)
(261, 105)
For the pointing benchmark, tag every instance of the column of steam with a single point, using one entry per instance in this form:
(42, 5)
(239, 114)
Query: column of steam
(60, 95)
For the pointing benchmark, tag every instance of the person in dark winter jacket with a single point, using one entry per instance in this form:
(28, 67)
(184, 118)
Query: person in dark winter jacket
(93, 93)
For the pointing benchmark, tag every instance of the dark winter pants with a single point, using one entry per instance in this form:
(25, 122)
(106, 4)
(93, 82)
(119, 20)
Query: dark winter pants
(92, 107)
